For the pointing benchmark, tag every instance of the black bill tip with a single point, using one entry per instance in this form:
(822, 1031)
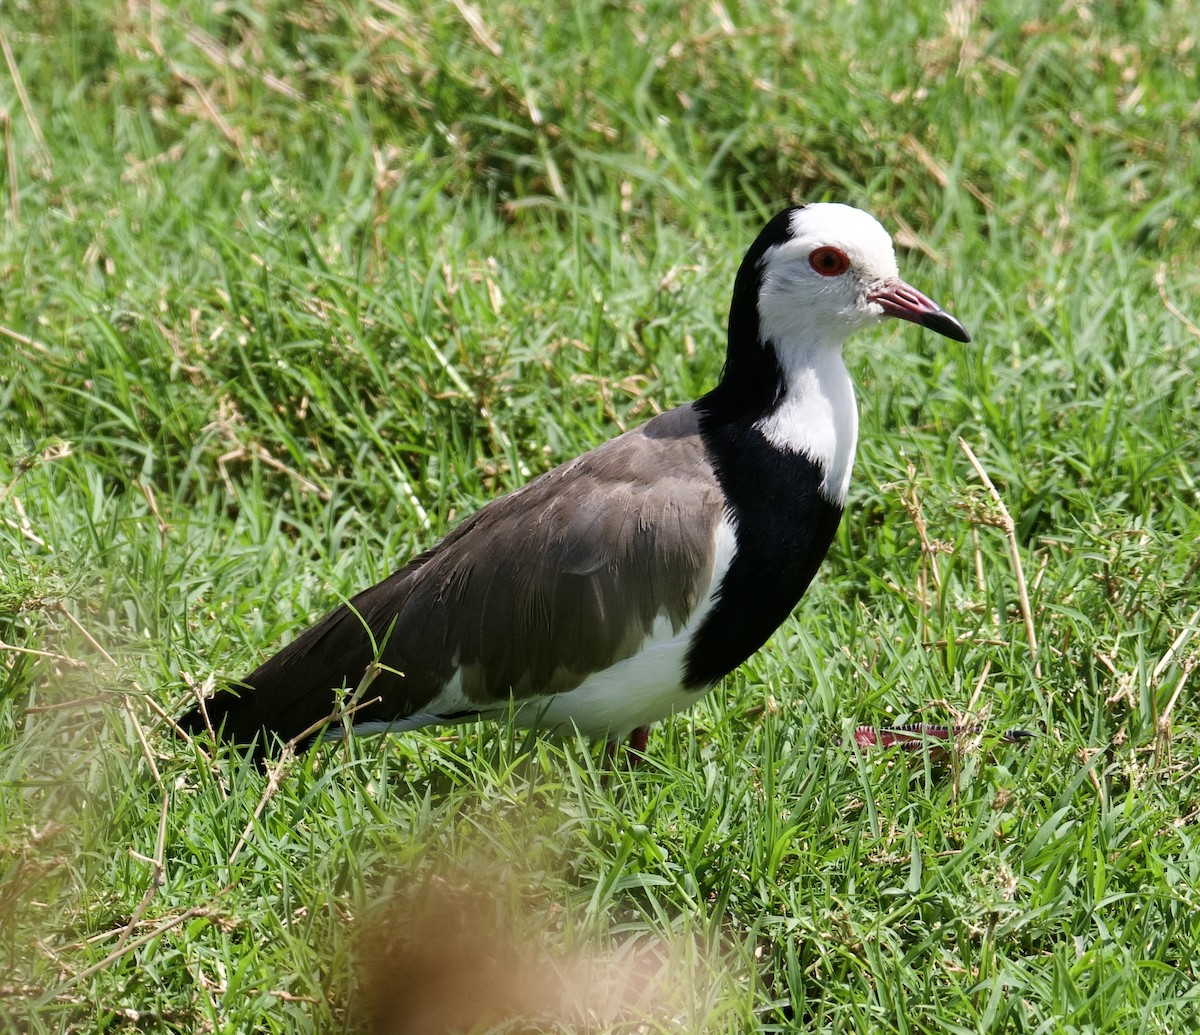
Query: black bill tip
(946, 325)
(904, 302)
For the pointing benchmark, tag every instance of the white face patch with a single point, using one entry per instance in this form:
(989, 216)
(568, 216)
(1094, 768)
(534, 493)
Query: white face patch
(805, 317)
(859, 235)
(797, 302)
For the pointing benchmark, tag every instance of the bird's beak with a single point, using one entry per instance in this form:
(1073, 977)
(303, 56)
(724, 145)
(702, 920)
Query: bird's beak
(907, 303)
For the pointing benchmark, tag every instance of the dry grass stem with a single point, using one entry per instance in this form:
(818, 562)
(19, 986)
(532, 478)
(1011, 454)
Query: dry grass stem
(276, 772)
(1160, 282)
(44, 153)
(92, 641)
(1010, 531)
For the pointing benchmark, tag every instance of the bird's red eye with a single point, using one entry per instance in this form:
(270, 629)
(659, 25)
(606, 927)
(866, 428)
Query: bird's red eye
(829, 262)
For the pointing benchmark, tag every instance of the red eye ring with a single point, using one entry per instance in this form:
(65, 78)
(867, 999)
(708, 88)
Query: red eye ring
(829, 261)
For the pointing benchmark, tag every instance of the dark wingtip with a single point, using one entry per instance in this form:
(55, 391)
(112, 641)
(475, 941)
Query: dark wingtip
(220, 715)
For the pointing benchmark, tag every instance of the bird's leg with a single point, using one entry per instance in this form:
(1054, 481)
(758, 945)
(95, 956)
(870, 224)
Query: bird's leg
(636, 748)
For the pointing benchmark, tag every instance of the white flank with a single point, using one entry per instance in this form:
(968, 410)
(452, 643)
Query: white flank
(645, 687)
(611, 703)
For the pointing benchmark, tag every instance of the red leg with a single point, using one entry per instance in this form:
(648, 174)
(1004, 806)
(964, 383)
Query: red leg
(634, 752)
(638, 739)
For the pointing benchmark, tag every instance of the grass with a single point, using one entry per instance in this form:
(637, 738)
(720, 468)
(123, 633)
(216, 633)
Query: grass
(286, 290)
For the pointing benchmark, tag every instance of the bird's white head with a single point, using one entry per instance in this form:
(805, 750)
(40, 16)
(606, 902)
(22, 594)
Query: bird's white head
(831, 270)
(812, 277)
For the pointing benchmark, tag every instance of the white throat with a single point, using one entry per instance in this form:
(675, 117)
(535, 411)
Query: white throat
(818, 414)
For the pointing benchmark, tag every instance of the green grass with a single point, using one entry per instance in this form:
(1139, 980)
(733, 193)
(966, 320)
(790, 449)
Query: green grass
(286, 289)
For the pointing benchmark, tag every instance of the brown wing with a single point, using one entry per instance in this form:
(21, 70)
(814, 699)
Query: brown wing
(528, 596)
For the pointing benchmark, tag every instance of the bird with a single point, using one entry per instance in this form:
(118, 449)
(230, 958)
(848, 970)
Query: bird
(620, 587)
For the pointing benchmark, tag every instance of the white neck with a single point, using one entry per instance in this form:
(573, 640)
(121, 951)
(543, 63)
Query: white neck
(818, 415)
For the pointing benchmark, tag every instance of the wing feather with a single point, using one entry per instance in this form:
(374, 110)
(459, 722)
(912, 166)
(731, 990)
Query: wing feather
(526, 597)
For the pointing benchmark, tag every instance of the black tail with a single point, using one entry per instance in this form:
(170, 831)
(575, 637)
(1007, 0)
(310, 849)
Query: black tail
(293, 691)
(241, 716)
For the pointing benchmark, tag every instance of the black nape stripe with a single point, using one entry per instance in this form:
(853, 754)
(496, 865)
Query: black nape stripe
(751, 381)
(784, 525)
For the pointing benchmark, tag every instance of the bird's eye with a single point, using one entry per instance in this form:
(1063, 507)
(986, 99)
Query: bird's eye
(829, 262)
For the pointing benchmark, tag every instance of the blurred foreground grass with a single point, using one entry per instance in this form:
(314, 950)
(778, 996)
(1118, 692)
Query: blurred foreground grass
(288, 288)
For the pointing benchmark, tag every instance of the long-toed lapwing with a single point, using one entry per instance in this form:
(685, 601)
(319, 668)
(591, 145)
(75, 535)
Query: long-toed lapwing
(620, 587)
